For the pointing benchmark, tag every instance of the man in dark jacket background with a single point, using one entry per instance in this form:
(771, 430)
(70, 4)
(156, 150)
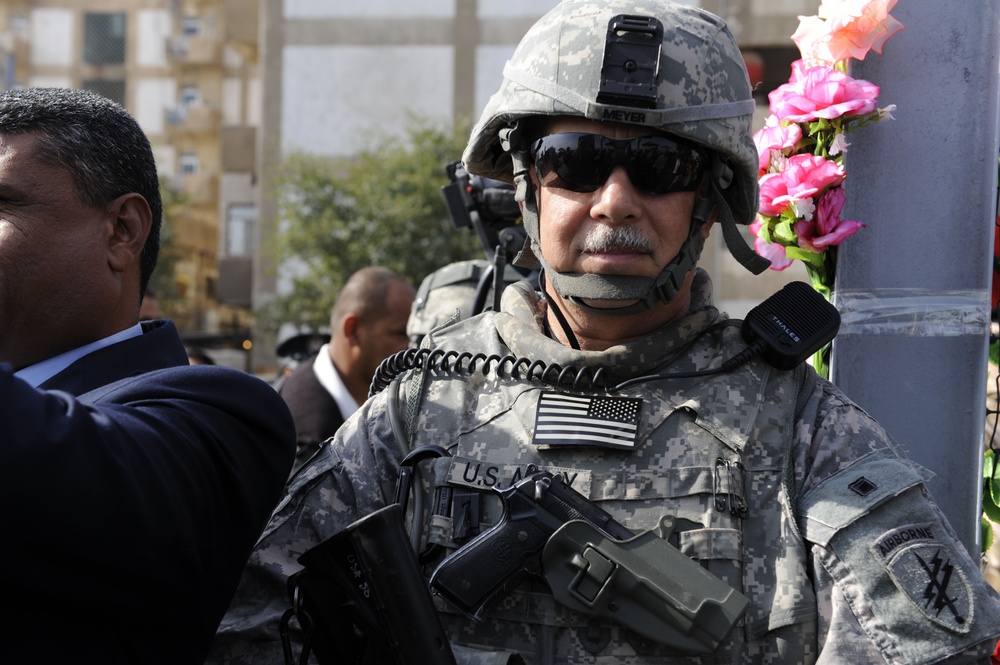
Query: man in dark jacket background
(367, 325)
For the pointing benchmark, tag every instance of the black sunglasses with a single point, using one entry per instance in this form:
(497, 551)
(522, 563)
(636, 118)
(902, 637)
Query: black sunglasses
(582, 162)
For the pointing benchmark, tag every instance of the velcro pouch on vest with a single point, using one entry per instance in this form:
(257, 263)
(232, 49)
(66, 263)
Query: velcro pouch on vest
(644, 584)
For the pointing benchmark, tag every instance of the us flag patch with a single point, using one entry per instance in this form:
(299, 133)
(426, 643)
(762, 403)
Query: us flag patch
(574, 420)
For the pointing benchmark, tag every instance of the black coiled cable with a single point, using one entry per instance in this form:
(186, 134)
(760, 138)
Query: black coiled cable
(580, 378)
(467, 364)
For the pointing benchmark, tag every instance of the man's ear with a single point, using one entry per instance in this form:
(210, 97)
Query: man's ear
(132, 220)
(349, 326)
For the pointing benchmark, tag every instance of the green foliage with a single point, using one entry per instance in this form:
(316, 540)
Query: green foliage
(381, 207)
(986, 533)
(991, 486)
(991, 497)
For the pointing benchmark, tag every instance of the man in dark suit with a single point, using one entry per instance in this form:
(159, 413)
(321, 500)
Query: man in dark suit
(133, 486)
(367, 325)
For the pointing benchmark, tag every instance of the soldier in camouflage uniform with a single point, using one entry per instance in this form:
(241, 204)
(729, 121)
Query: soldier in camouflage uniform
(448, 294)
(795, 497)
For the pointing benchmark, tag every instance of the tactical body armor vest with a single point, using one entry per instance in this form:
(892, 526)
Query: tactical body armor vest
(713, 451)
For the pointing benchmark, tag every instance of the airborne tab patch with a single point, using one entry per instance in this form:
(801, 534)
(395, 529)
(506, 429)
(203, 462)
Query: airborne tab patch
(922, 568)
(579, 420)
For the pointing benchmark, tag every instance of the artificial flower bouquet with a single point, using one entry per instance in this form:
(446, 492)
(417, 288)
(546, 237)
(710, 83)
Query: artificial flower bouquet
(802, 144)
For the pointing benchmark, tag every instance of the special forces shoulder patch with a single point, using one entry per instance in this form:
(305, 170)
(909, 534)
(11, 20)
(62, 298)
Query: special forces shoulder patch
(922, 567)
(586, 420)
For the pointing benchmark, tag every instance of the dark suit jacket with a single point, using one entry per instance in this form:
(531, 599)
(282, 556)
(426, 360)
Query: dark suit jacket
(133, 488)
(314, 410)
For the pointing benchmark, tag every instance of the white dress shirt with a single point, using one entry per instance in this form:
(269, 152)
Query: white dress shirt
(330, 379)
(42, 371)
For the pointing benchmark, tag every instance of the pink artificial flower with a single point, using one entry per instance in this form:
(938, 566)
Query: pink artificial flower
(799, 68)
(826, 228)
(772, 186)
(810, 34)
(845, 29)
(803, 177)
(774, 137)
(773, 252)
(822, 92)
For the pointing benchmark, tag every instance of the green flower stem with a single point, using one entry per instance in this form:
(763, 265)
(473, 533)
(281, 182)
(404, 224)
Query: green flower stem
(822, 278)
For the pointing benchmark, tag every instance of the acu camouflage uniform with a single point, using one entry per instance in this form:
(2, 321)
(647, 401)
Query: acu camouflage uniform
(447, 295)
(805, 505)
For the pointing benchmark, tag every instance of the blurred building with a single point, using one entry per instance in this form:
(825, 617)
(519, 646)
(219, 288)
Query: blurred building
(186, 69)
(226, 88)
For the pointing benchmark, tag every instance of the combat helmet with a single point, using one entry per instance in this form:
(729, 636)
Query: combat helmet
(673, 68)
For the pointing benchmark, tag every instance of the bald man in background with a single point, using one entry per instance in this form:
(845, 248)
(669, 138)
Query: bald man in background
(367, 325)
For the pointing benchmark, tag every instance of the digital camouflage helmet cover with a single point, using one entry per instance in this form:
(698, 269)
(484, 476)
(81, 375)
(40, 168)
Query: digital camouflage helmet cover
(598, 59)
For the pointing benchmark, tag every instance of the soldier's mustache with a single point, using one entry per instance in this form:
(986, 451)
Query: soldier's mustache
(603, 239)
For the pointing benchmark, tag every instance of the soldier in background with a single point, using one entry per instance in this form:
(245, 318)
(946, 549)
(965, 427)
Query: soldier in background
(624, 126)
(465, 288)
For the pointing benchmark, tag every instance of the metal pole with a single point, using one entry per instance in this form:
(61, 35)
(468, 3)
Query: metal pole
(913, 287)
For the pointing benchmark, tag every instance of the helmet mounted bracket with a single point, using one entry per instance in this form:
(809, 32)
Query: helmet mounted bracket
(631, 68)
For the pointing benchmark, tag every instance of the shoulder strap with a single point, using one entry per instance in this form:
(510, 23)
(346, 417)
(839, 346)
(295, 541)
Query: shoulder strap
(806, 381)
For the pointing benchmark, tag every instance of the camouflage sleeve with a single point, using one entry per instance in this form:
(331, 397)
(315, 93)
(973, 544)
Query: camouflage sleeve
(893, 582)
(352, 475)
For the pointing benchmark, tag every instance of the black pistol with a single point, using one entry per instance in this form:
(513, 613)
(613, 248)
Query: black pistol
(593, 565)
(534, 509)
